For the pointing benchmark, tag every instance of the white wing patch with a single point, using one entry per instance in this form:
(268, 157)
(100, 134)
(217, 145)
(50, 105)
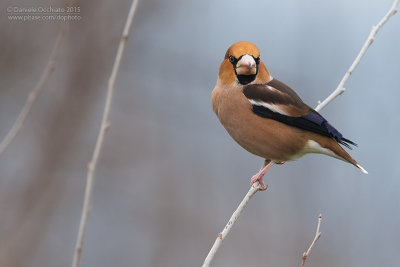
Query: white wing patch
(270, 106)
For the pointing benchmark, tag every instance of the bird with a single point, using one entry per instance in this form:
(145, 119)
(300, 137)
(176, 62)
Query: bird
(268, 118)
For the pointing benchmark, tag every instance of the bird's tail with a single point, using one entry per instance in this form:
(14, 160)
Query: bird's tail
(329, 145)
(343, 155)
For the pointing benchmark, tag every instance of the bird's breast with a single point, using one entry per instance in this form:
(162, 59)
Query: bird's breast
(261, 136)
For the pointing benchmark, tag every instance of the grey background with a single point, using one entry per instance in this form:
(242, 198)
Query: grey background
(169, 176)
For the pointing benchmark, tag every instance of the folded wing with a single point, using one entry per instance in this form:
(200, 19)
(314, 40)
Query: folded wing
(275, 100)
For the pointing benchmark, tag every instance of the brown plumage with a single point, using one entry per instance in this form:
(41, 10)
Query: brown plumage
(265, 116)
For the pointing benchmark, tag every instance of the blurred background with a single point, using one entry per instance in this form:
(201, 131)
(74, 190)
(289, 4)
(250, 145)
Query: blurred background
(169, 176)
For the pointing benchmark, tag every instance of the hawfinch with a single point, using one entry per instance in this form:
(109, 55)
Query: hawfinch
(266, 117)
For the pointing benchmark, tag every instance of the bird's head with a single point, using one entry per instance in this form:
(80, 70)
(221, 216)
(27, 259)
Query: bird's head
(242, 65)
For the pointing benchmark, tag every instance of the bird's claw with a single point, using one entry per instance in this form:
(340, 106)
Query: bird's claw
(258, 178)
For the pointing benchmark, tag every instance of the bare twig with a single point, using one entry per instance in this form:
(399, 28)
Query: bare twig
(221, 236)
(34, 94)
(317, 236)
(340, 88)
(338, 91)
(105, 124)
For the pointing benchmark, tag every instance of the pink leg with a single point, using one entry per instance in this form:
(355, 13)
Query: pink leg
(259, 176)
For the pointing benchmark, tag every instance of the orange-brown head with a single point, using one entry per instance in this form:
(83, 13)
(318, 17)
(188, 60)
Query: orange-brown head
(242, 65)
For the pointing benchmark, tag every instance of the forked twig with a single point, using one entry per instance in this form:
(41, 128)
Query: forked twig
(317, 236)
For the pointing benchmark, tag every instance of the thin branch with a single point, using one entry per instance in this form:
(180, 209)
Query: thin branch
(221, 236)
(340, 88)
(105, 124)
(34, 94)
(317, 236)
(338, 91)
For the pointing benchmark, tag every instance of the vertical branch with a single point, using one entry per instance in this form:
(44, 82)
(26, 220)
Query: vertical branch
(105, 124)
(34, 94)
(317, 236)
(338, 91)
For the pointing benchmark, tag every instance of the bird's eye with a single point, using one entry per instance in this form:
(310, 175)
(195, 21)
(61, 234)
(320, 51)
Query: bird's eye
(232, 59)
(257, 60)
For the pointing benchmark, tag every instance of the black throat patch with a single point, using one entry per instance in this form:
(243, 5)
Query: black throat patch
(245, 79)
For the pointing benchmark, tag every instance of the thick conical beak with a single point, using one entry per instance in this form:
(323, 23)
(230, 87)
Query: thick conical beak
(246, 66)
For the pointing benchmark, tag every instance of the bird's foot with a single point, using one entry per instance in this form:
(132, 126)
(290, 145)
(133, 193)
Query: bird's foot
(258, 178)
